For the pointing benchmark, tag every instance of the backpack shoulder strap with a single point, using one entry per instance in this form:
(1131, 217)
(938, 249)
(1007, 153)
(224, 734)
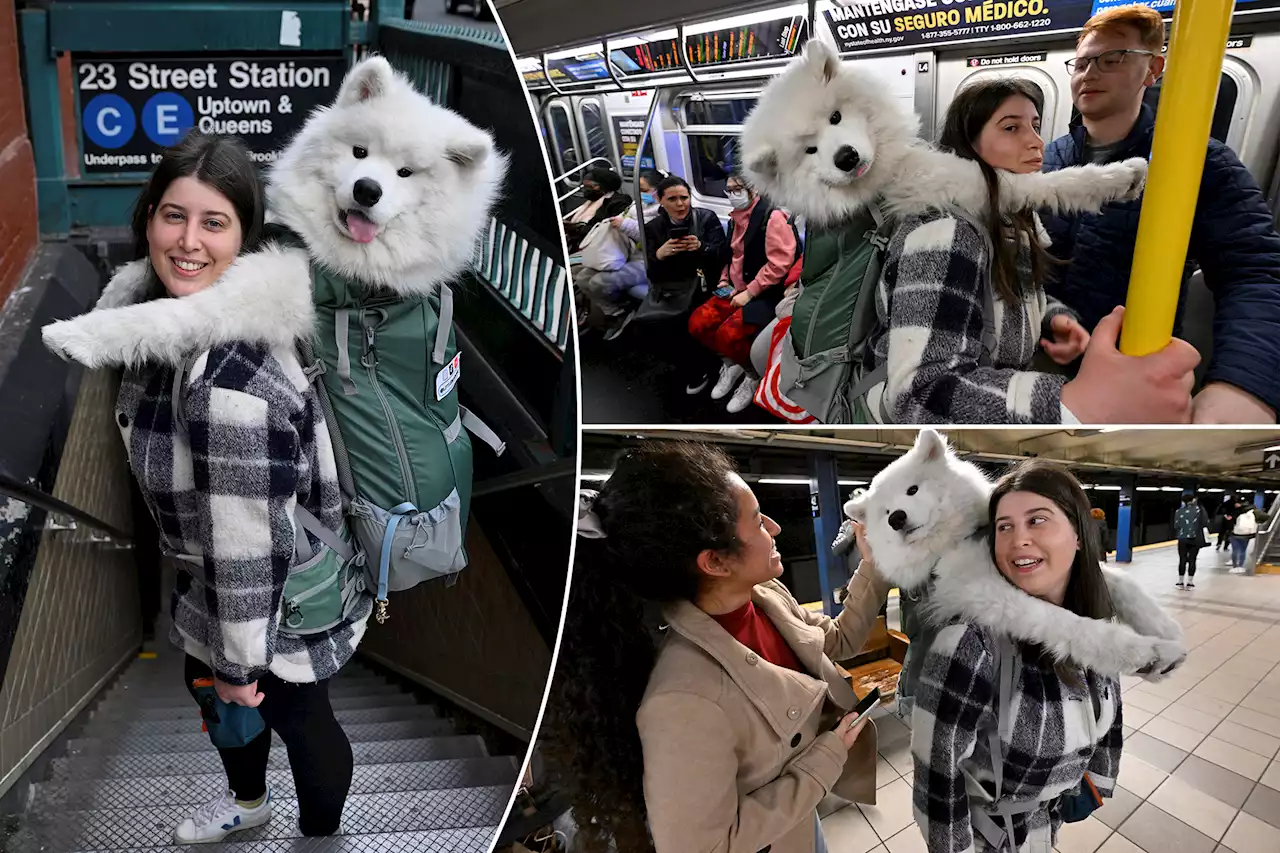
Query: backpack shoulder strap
(864, 306)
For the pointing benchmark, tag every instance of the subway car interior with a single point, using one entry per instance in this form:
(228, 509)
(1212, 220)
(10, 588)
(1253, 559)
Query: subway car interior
(594, 111)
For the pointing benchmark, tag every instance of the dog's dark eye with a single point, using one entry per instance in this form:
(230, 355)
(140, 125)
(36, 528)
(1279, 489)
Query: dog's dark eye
(404, 173)
(812, 149)
(912, 490)
(835, 117)
(360, 153)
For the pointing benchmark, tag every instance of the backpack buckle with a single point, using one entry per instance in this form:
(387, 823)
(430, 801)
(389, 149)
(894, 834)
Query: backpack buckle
(313, 371)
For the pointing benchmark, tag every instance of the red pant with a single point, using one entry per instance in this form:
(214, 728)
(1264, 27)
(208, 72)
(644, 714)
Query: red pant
(718, 326)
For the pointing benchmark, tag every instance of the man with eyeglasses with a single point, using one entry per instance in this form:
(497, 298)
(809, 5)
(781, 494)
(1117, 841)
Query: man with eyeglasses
(1233, 240)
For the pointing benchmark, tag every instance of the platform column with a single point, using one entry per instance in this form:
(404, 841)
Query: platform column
(825, 505)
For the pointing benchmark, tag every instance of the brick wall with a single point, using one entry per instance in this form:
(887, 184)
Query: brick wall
(18, 226)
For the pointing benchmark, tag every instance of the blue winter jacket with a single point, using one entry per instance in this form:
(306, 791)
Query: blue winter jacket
(1233, 242)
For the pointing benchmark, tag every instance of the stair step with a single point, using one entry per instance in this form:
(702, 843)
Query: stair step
(408, 811)
(173, 693)
(205, 760)
(137, 713)
(195, 790)
(170, 676)
(184, 721)
(472, 840)
(153, 744)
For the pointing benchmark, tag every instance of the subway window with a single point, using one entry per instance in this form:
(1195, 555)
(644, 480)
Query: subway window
(713, 157)
(593, 124)
(718, 111)
(562, 135)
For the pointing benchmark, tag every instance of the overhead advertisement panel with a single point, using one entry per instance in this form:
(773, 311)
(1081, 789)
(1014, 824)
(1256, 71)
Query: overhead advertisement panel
(888, 24)
(781, 37)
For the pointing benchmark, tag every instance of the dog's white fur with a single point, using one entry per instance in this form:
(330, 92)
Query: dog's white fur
(942, 543)
(263, 298)
(429, 224)
(908, 176)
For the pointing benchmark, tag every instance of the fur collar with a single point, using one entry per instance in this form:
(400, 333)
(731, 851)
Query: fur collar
(264, 297)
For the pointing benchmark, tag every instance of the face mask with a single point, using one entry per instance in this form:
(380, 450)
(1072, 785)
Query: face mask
(740, 200)
(647, 198)
(592, 195)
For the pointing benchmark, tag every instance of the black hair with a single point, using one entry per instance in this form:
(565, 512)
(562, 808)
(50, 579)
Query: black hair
(608, 180)
(1087, 593)
(669, 182)
(652, 177)
(969, 112)
(221, 162)
(665, 504)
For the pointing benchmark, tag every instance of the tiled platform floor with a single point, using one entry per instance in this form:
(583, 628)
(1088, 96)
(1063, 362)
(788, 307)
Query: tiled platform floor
(1200, 773)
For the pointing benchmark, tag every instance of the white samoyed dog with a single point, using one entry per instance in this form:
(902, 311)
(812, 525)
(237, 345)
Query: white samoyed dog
(925, 517)
(384, 187)
(827, 138)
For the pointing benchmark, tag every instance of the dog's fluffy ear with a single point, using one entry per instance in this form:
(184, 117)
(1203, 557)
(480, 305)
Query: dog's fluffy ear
(763, 162)
(370, 79)
(469, 153)
(930, 446)
(823, 62)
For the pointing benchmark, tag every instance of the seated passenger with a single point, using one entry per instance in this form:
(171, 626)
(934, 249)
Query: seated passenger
(763, 246)
(685, 248)
(612, 276)
(600, 188)
(683, 241)
(961, 306)
(1232, 237)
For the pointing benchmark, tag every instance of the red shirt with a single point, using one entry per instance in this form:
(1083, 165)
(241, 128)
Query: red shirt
(754, 630)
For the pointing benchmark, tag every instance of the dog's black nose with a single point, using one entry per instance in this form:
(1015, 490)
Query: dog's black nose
(897, 519)
(847, 158)
(367, 192)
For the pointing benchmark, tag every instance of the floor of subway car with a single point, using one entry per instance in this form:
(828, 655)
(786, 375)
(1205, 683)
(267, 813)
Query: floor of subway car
(140, 765)
(1200, 772)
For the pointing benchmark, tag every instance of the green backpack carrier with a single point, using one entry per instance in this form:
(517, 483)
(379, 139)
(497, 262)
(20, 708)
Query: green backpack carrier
(388, 368)
(822, 355)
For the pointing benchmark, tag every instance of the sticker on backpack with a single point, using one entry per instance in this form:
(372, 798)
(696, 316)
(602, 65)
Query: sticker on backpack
(448, 377)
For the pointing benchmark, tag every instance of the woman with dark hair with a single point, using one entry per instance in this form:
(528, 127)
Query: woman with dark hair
(726, 728)
(1005, 739)
(601, 187)
(961, 305)
(684, 246)
(202, 428)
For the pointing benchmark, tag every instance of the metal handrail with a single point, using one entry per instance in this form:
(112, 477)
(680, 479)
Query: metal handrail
(1262, 547)
(576, 169)
(34, 497)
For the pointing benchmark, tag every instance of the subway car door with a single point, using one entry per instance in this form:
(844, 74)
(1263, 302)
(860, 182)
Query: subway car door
(1043, 67)
(593, 130)
(563, 140)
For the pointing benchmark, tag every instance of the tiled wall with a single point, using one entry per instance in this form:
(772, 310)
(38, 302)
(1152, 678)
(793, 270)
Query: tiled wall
(80, 618)
(474, 640)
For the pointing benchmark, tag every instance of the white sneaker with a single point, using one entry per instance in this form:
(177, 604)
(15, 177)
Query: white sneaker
(730, 373)
(220, 817)
(744, 395)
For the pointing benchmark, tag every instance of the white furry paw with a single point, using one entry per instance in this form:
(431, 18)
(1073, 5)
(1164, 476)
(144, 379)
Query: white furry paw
(1125, 180)
(70, 341)
(1170, 654)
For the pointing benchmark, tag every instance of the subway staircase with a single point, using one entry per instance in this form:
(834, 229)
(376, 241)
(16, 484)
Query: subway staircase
(140, 764)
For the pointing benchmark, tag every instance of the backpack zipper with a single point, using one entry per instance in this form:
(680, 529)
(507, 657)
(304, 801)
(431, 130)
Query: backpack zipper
(370, 362)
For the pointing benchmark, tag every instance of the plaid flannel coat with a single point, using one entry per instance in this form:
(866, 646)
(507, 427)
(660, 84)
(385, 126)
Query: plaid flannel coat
(224, 488)
(929, 306)
(1059, 732)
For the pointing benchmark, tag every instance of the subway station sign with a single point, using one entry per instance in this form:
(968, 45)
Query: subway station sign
(132, 109)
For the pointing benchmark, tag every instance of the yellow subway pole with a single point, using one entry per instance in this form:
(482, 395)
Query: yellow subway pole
(1188, 94)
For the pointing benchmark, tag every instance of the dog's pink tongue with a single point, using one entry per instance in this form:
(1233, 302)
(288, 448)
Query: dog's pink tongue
(361, 229)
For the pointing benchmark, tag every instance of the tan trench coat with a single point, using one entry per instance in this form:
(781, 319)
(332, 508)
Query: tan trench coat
(737, 751)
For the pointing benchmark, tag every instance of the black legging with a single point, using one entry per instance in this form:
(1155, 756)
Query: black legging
(319, 752)
(1188, 550)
